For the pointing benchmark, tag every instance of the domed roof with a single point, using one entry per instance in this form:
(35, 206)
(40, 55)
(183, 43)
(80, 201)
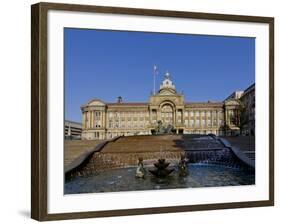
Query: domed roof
(167, 87)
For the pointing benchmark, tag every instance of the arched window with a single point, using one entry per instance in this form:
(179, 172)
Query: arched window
(167, 114)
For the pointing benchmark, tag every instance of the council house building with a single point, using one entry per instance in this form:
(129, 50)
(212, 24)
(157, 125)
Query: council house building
(101, 120)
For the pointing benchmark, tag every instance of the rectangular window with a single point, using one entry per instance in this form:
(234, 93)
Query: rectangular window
(203, 123)
(191, 123)
(215, 122)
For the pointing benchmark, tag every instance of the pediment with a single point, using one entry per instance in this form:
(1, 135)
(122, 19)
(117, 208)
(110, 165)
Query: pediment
(167, 91)
(231, 102)
(96, 102)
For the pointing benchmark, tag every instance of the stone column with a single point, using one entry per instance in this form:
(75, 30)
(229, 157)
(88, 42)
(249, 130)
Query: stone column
(126, 120)
(83, 120)
(228, 117)
(200, 119)
(225, 116)
(212, 120)
(103, 119)
(194, 119)
(188, 123)
(92, 119)
(88, 119)
(218, 119)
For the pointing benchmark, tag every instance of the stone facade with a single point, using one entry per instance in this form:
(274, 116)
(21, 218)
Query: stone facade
(248, 101)
(107, 120)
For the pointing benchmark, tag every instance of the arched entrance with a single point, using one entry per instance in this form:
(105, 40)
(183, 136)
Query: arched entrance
(167, 115)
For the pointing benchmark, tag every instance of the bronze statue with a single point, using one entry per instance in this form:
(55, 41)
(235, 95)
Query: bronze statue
(161, 129)
(140, 173)
(182, 167)
(162, 169)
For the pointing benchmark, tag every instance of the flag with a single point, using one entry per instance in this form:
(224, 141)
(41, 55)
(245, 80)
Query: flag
(155, 69)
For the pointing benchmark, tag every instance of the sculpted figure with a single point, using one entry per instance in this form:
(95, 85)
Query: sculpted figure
(140, 170)
(183, 169)
(161, 129)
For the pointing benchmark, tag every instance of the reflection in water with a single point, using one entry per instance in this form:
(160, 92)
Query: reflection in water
(200, 175)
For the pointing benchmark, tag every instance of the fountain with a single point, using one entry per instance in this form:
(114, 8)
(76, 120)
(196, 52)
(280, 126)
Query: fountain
(162, 169)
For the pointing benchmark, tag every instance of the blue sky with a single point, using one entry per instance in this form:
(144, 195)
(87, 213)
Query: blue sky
(107, 64)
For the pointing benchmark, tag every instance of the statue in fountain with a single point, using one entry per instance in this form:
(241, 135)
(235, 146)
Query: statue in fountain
(140, 170)
(162, 169)
(161, 129)
(182, 167)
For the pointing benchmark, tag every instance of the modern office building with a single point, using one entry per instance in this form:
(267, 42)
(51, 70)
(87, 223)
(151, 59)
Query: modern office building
(72, 130)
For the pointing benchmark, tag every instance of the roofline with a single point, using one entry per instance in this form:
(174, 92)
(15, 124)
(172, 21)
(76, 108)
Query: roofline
(127, 104)
(203, 103)
(230, 95)
(251, 86)
(74, 122)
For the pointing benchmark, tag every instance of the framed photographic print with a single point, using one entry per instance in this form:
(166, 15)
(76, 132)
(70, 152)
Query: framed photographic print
(140, 111)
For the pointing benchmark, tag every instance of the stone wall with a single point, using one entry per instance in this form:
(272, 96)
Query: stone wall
(105, 161)
(125, 152)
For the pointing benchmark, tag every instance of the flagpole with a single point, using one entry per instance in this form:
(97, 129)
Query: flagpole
(154, 74)
(154, 80)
